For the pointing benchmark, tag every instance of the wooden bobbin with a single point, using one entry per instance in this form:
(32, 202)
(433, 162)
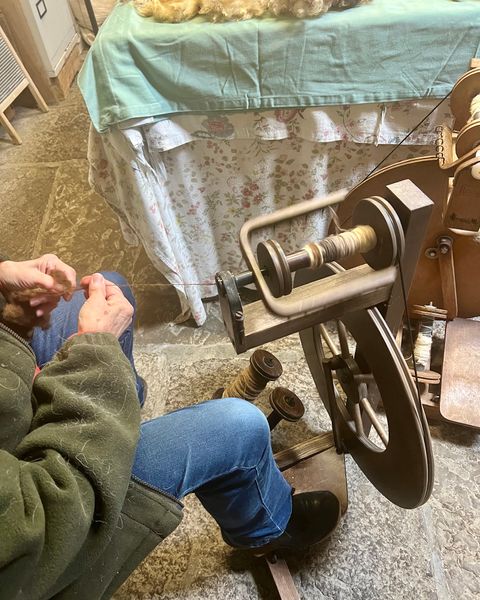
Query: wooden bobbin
(251, 381)
(468, 138)
(377, 235)
(425, 315)
(424, 337)
(286, 405)
(274, 264)
(379, 214)
(428, 311)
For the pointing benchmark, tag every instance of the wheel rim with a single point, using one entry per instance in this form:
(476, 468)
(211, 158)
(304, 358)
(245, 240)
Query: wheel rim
(403, 470)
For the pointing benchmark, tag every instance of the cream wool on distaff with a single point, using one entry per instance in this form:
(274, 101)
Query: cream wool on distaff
(174, 11)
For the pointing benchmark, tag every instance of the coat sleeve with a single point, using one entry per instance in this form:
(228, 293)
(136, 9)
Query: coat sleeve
(64, 484)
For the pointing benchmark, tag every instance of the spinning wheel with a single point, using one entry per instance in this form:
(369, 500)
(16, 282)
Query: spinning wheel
(450, 251)
(300, 292)
(399, 462)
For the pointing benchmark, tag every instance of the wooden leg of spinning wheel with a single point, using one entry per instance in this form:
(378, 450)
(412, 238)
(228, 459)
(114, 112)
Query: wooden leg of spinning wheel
(282, 577)
(430, 402)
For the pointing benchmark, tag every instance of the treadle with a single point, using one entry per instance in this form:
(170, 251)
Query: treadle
(282, 577)
(459, 395)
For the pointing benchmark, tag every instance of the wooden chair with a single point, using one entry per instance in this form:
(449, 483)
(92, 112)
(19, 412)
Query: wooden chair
(14, 78)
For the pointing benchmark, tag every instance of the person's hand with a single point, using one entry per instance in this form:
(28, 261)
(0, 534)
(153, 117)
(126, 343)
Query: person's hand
(31, 281)
(106, 309)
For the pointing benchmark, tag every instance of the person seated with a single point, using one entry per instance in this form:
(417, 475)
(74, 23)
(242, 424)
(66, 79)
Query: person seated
(87, 490)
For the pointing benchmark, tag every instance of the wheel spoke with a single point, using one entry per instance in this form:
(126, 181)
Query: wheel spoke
(328, 340)
(357, 417)
(343, 339)
(367, 407)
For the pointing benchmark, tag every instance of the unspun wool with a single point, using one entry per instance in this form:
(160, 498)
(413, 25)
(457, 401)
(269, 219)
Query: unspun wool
(174, 11)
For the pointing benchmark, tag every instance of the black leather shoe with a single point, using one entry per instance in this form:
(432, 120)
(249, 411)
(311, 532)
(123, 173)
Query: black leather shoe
(315, 515)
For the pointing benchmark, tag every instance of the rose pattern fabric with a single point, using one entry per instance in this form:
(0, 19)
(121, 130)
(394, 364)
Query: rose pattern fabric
(184, 186)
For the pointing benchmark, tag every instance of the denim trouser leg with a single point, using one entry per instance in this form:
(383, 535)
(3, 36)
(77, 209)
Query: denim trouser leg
(64, 323)
(220, 450)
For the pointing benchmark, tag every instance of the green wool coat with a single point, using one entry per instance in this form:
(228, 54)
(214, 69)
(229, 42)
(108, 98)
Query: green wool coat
(72, 522)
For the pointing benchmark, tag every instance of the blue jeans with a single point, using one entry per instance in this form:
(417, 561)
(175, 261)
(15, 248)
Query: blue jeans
(218, 449)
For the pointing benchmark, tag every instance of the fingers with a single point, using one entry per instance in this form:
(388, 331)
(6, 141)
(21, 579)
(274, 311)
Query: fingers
(44, 299)
(106, 309)
(69, 273)
(60, 277)
(97, 289)
(85, 281)
(46, 308)
(47, 282)
(113, 291)
(47, 272)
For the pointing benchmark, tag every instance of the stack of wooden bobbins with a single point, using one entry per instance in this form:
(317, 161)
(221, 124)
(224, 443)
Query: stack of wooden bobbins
(264, 368)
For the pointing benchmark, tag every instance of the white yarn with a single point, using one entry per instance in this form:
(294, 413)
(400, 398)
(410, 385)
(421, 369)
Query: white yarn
(423, 346)
(475, 108)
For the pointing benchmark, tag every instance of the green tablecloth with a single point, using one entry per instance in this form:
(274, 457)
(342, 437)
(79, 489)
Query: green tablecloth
(386, 50)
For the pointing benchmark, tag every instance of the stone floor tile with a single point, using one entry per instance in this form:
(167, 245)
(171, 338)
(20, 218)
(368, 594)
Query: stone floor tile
(56, 136)
(158, 308)
(80, 228)
(25, 193)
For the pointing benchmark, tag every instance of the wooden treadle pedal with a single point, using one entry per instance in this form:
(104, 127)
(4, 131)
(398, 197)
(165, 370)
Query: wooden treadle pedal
(460, 387)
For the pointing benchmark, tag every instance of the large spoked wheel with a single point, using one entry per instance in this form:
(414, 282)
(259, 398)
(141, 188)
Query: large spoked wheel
(352, 371)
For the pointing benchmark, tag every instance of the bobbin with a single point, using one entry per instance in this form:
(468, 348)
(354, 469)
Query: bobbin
(274, 263)
(249, 383)
(465, 106)
(380, 251)
(286, 405)
(380, 215)
(266, 365)
(468, 138)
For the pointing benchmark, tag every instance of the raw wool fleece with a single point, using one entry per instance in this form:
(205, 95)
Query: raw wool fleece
(174, 11)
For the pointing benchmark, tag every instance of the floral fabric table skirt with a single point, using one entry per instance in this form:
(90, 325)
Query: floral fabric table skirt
(184, 186)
